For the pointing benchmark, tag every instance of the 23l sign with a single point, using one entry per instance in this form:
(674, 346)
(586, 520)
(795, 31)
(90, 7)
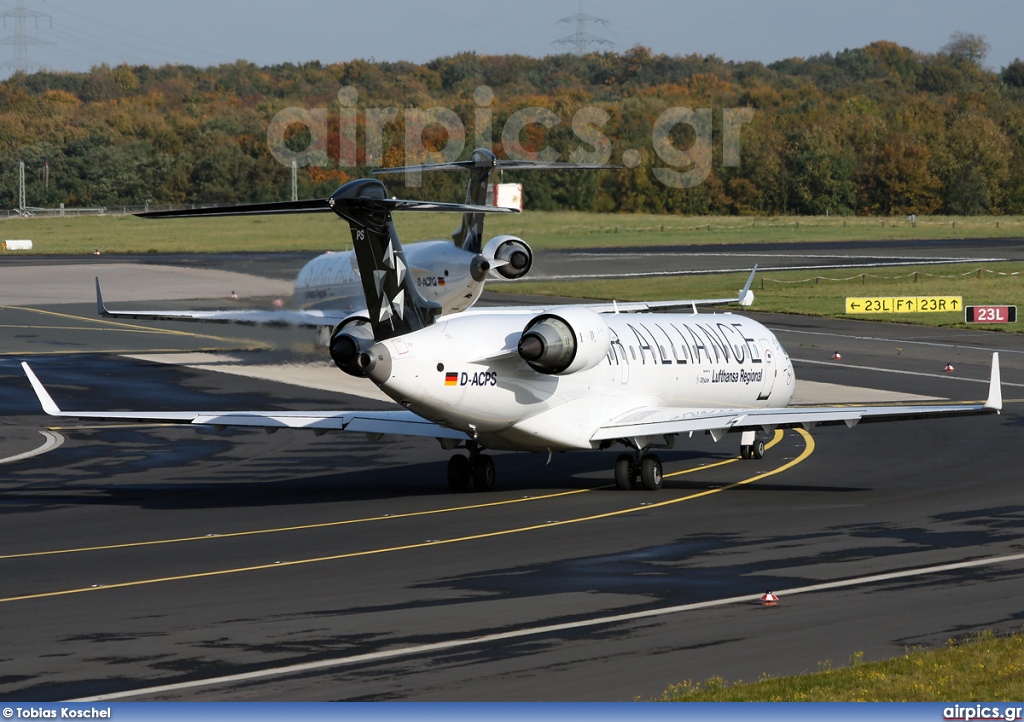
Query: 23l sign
(990, 314)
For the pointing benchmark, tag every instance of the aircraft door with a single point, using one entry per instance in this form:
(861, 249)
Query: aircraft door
(624, 362)
(619, 357)
(771, 368)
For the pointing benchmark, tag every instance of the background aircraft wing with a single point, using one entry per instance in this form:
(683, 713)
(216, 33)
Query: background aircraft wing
(667, 421)
(313, 318)
(399, 422)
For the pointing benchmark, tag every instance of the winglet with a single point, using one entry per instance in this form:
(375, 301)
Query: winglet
(746, 298)
(995, 392)
(47, 402)
(101, 310)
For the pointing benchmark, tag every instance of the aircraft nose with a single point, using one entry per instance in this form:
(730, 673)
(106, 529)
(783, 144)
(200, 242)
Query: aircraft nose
(376, 362)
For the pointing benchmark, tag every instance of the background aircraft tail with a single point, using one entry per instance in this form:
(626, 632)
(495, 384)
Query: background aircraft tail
(469, 235)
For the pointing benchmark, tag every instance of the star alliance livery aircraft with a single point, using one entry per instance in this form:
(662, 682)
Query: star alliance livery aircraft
(548, 379)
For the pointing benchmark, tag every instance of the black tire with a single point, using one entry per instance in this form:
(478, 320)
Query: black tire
(458, 474)
(745, 451)
(757, 450)
(650, 473)
(483, 473)
(625, 472)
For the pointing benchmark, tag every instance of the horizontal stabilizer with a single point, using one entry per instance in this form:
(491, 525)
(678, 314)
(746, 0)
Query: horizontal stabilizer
(319, 205)
(496, 164)
(313, 205)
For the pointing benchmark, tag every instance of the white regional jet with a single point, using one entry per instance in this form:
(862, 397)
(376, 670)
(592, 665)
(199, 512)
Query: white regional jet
(549, 379)
(328, 290)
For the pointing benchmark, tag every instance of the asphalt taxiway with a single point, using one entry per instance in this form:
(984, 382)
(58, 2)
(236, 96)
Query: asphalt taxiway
(159, 562)
(813, 257)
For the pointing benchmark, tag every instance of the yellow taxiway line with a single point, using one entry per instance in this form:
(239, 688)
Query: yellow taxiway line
(119, 325)
(808, 450)
(297, 527)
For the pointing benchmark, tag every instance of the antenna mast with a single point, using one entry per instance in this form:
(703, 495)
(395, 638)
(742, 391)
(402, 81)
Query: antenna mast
(581, 39)
(21, 40)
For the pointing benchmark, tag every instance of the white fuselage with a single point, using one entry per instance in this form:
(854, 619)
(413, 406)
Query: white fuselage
(465, 373)
(440, 269)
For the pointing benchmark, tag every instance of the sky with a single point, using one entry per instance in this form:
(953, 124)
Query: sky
(83, 33)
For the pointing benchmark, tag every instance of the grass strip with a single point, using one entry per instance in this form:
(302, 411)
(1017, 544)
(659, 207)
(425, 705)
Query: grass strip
(543, 230)
(982, 668)
(818, 293)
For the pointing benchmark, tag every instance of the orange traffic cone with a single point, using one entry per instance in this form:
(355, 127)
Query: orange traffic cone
(837, 356)
(768, 599)
(949, 368)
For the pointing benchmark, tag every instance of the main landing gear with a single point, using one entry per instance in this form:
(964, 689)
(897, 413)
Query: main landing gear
(751, 447)
(752, 451)
(643, 471)
(631, 473)
(478, 469)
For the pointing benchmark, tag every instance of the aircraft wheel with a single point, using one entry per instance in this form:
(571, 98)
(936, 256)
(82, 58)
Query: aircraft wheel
(745, 451)
(650, 472)
(458, 473)
(483, 473)
(757, 449)
(625, 472)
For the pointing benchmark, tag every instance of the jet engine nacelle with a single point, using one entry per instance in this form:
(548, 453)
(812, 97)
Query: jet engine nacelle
(574, 339)
(516, 254)
(352, 336)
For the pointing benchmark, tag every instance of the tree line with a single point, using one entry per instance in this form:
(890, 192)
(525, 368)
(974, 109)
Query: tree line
(878, 130)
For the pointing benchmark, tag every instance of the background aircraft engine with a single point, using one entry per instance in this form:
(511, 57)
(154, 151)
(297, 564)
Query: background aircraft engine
(574, 339)
(511, 249)
(352, 336)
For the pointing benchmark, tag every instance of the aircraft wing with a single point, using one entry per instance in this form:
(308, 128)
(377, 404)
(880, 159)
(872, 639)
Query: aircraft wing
(744, 298)
(668, 421)
(403, 423)
(253, 317)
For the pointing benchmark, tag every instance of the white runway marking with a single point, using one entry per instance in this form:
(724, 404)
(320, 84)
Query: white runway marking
(761, 269)
(35, 285)
(547, 629)
(893, 340)
(899, 371)
(320, 376)
(755, 254)
(53, 440)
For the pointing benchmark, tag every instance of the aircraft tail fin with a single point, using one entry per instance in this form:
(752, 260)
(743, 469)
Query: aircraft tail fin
(394, 304)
